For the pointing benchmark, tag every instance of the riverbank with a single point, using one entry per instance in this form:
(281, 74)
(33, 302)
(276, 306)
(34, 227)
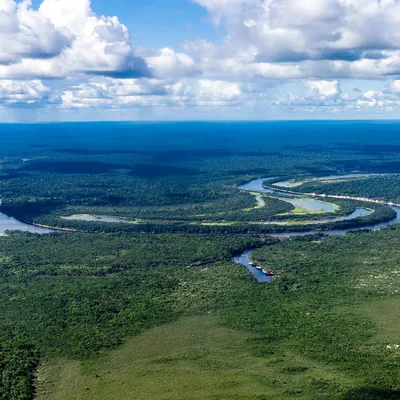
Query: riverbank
(245, 258)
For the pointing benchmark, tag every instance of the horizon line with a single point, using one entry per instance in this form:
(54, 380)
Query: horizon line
(197, 121)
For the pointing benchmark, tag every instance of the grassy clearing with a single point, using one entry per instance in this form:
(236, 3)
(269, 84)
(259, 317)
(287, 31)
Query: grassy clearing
(194, 358)
(296, 184)
(385, 314)
(215, 223)
(308, 211)
(102, 218)
(305, 211)
(300, 211)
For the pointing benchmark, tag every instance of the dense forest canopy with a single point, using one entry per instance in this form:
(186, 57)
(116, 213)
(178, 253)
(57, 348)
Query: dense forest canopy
(179, 218)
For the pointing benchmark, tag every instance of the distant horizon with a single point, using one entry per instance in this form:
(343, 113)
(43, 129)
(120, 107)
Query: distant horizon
(373, 120)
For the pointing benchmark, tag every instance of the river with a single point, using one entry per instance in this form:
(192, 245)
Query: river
(256, 186)
(11, 224)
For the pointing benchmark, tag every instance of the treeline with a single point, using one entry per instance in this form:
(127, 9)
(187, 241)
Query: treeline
(138, 185)
(385, 188)
(381, 214)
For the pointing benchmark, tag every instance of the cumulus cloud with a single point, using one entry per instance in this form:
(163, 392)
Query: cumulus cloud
(267, 43)
(63, 38)
(166, 63)
(113, 93)
(385, 100)
(25, 93)
(206, 93)
(394, 86)
(32, 34)
(325, 90)
(328, 96)
(189, 93)
(308, 39)
(320, 93)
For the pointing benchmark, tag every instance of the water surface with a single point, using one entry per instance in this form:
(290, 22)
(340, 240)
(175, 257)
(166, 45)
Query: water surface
(297, 200)
(98, 218)
(244, 259)
(359, 212)
(11, 224)
(257, 186)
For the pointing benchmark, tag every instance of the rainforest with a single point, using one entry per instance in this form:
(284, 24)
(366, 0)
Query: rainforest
(131, 256)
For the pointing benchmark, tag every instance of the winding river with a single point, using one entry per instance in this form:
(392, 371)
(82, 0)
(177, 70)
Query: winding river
(8, 223)
(256, 186)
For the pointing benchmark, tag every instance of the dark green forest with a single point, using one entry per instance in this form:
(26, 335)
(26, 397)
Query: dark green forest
(76, 295)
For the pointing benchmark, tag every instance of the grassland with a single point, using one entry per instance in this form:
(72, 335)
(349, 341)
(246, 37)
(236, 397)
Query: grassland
(195, 358)
(324, 329)
(307, 211)
(386, 316)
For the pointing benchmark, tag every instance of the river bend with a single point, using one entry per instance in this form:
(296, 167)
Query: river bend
(256, 186)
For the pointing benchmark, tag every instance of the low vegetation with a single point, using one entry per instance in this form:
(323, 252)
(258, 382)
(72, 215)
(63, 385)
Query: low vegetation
(157, 310)
(314, 332)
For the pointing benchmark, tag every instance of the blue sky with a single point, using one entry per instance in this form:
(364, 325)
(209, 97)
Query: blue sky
(159, 23)
(199, 59)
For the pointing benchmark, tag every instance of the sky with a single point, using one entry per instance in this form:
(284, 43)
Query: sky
(82, 60)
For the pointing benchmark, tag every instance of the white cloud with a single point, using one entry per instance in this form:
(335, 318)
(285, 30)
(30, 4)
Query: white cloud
(320, 94)
(166, 63)
(325, 90)
(316, 44)
(394, 86)
(25, 93)
(328, 96)
(205, 93)
(113, 93)
(285, 39)
(123, 93)
(377, 101)
(30, 33)
(63, 38)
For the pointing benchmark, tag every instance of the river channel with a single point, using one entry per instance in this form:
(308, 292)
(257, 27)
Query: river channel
(256, 186)
(8, 223)
(11, 224)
